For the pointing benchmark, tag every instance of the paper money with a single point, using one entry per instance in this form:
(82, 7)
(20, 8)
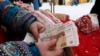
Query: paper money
(66, 34)
(29, 38)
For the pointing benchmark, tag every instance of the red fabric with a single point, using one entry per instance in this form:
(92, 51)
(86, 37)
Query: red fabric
(2, 37)
(66, 20)
(89, 44)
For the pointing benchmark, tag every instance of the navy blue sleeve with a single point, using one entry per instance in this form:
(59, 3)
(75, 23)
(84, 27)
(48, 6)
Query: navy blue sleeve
(15, 18)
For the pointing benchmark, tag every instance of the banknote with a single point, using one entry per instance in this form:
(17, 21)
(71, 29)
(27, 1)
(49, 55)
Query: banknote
(66, 35)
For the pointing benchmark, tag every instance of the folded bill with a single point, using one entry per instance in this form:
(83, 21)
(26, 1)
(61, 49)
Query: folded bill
(66, 34)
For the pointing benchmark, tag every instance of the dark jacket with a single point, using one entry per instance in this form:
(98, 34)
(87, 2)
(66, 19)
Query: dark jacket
(16, 20)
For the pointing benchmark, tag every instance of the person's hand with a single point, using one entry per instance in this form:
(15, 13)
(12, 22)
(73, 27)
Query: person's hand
(45, 48)
(25, 6)
(30, 9)
(35, 27)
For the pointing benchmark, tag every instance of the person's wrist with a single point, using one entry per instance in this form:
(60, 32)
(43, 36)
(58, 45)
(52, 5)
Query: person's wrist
(29, 23)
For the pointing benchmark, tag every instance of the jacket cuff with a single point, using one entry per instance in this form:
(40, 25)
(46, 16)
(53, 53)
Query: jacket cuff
(34, 49)
(29, 22)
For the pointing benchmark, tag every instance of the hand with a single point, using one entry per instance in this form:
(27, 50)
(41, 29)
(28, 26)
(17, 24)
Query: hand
(30, 9)
(25, 6)
(45, 48)
(35, 27)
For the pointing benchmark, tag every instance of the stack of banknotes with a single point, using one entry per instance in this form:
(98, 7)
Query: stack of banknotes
(66, 35)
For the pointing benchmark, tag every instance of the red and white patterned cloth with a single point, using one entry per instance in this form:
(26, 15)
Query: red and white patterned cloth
(87, 23)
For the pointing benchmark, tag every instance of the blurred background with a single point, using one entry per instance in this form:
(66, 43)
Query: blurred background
(73, 9)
